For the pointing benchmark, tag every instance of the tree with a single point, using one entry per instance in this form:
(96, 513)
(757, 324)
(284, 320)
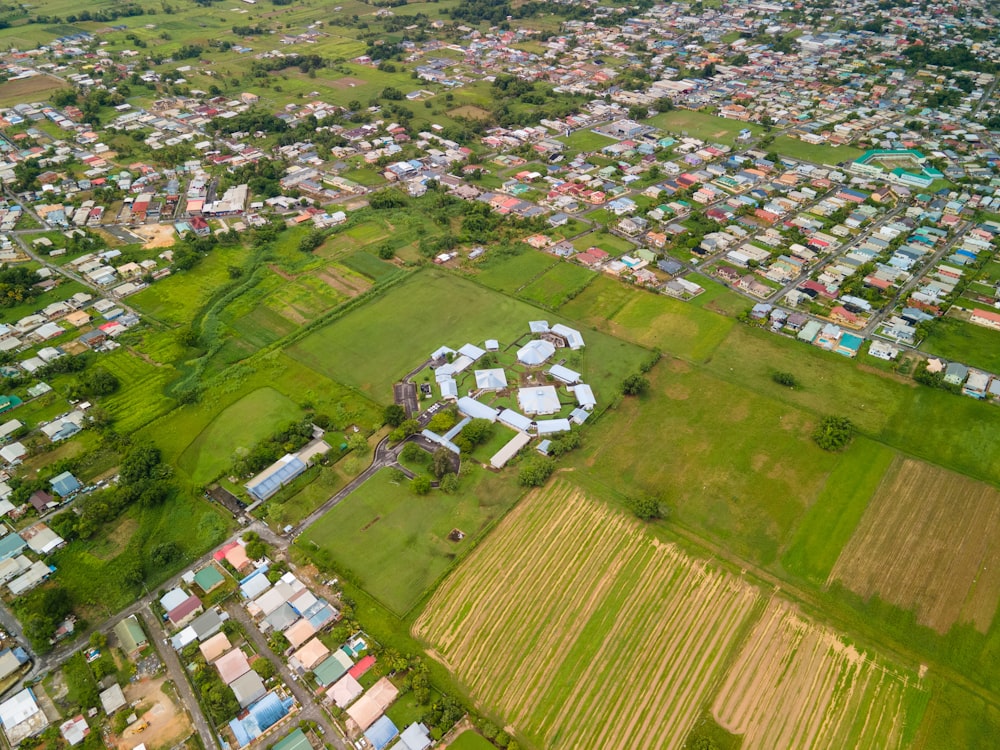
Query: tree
(535, 471)
(264, 668)
(785, 378)
(164, 553)
(413, 453)
(449, 483)
(441, 422)
(392, 93)
(385, 251)
(421, 484)
(357, 443)
(478, 431)
(834, 433)
(441, 462)
(645, 507)
(635, 385)
(256, 550)
(394, 415)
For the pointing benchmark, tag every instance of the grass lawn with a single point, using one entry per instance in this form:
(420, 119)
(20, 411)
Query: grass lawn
(561, 282)
(587, 140)
(822, 153)
(609, 243)
(281, 511)
(238, 427)
(141, 397)
(368, 265)
(373, 346)
(837, 510)
(973, 345)
(702, 125)
(511, 274)
(469, 740)
(395, 543)
(717, 297)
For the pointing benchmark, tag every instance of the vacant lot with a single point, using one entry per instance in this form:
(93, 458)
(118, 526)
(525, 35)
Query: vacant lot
(395, 543)
(375, 345)
(822, 153)
(511, 274)
(735, 464)
(929, 541)
(238, 428)
(168, 723)
(36, 88)
(954, 338)
(470, 112)
(560, 283)
(796, 684)
(582, 630)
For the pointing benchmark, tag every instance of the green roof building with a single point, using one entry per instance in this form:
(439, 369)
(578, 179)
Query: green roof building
(208, 578)
(297, 740)
(130, 636)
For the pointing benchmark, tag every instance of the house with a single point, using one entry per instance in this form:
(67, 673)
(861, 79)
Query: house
(65, 484)
(276, 476)
(74, 730)
(955, 373)
(538, 400)
(986, 318)
(113, 699)
(131, 638)
(976, 384)
(532, 354)
(21, 717)
(883, 350)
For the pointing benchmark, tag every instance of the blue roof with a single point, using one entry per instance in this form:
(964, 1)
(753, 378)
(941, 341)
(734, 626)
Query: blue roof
(65, 484)
(262, 715)
(381, 733)
(290, 467)
(11, 545)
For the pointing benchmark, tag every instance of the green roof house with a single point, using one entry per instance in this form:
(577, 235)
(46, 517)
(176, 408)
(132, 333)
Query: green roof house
(130, 636)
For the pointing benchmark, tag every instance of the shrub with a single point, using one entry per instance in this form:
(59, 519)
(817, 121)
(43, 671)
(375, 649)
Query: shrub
(834, 433)
(785, 378)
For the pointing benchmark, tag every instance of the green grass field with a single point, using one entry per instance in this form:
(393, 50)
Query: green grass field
(396, 543)
(823, 153)
(703, 125)
(835, 513)
(561, 282)
(964, 342)
(375, 345)
(508, 275)
(587, 140)
(469, 740)
(238, 427)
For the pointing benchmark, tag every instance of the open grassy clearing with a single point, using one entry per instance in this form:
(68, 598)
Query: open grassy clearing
(822, 153)
(237, 428)
(508, 275)
(34, 89)
(470, 741)
(930, 541)
(956, 339)
(833, 517)
(395, 543)
(797, 684)
(702, 125)
(142, 395)
(581, 630)
(428, 310)
(561, 282)
(955, 718)
(735, 464)
(587, 140)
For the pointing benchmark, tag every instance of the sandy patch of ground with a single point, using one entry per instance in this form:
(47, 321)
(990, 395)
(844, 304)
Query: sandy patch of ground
(168, 723)
(156, 235)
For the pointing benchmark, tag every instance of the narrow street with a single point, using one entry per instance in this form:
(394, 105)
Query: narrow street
(310, 709)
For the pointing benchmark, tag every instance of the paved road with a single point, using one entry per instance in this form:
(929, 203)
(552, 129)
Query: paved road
(178, 674)
(311, 710)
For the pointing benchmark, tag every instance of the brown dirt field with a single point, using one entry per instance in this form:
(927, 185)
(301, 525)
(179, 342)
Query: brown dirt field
(796, 684)
(168, 723)
(470, 111)
(156, 235)
(575, 625)
(929, 541)
(26, 89)
(344, 83)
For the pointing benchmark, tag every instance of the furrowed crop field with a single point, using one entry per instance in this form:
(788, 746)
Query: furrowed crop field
(929, 541)
(796, 684)
(582, 630)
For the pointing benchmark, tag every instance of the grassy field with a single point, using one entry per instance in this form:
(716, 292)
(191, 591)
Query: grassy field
(587, 140)
(822, 153)
(703, 125)
(34, 89)
(557, 285)
(929, 541)
(835, 513)
(470, 741)
(237, 428)
(738, 466)
(191, 523)
(396, 543)
(964, 342)
(511, 274)
(579, 649)
(433, 309)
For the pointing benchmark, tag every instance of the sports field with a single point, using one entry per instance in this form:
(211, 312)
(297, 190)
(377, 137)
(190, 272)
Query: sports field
(581, 630)
(797, 684)
(703, 125)
(929, 541)
(821, 153)
(375, 345)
